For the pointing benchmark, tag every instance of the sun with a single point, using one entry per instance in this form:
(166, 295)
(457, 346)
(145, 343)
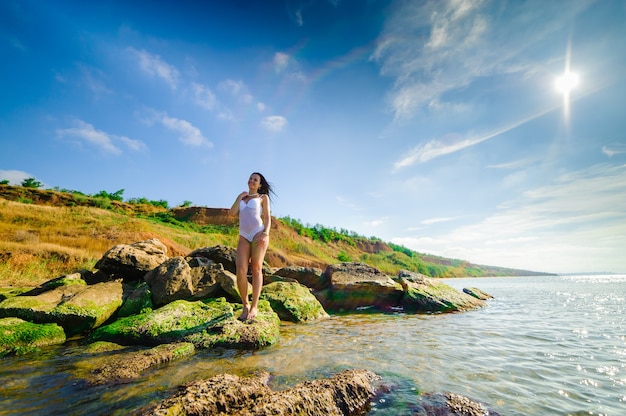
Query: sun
(567, 82)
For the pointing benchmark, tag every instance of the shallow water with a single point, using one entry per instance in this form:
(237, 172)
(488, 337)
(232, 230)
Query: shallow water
(544, 346)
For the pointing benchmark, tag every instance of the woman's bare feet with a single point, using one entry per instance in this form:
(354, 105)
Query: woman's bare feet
(245, 313)
(252, 314)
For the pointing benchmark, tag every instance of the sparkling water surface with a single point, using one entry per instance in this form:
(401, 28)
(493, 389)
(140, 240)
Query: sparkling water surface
(543, 346)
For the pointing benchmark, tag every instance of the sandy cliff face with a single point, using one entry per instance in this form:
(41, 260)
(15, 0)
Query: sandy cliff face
(205, 216)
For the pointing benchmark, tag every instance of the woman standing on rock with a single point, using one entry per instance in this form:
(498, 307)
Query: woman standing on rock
(254, 236)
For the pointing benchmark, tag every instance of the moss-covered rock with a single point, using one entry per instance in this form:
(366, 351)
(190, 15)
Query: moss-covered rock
(477, 293)
(139, 301)
(425, 295)
(205, 324)
(293, 302)
(18, 336)
(123, 366)
(76, 307)
(9, 292)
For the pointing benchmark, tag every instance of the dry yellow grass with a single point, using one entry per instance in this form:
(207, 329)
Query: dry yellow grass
(39, 242)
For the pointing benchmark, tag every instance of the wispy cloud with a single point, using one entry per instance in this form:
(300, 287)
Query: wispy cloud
(436, 220)
(614, 149)
(437, 47)
(237, 89)
(274, 123)
(188, 133)
(454, 142)
(154, 66)
(204, 96)
(106, 142)
(281, 60)
(582, 213)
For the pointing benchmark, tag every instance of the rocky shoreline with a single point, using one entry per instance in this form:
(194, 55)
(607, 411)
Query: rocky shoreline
(140, 308)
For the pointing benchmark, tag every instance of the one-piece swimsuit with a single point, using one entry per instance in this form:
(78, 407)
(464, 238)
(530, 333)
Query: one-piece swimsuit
(250, 222)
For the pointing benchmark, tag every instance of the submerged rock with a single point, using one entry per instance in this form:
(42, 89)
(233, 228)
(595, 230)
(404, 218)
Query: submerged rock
(358, 285)
(205, 324)
(346, 393)
(449, 404)
(124, 367)
(18, 336)
(477, 293)
(293, 302)
(426, 295)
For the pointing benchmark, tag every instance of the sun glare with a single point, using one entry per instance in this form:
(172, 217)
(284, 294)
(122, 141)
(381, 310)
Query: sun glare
(567, 82)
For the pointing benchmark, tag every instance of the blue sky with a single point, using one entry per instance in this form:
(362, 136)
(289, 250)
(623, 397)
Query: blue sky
(432, 124)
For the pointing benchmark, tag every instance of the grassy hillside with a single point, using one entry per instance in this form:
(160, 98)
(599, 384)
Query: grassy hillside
(49, 233)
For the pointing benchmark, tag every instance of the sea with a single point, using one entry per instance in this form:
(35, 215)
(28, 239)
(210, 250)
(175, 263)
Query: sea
(549, 345)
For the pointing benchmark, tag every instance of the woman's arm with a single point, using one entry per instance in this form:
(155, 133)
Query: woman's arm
(266, 216)
(234, 210)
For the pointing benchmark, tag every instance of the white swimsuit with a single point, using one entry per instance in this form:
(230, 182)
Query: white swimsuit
(250, 222)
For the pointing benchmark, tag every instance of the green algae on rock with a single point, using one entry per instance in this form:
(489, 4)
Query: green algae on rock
(19, 337)
(205, 324)
(293, 302)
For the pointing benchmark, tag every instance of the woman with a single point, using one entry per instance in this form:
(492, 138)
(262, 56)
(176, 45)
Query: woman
(254, 236)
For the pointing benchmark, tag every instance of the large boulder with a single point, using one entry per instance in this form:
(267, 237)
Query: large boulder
(346, 393)
(132, 261)
(178, 278)
(205, 324)
(293, 302)
(426, 295)
(309, 276)
(358, 285)
(226, 256)
(19, 337)
(76, 307)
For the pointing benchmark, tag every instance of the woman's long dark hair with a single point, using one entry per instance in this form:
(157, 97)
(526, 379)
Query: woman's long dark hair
(266, 187)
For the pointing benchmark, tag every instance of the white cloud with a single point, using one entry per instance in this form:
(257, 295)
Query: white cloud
(237, 89)
(274, 123)
(614, 149)
(188, 133)
(100, 139)
(204, 96)
(575, 224)
(261, 107)
(281, 60)
(463, 45)
(15, 177)
(437, 220)
(155, 66)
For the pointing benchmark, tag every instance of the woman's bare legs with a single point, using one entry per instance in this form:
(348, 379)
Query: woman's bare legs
(242, 260)
(257, 254)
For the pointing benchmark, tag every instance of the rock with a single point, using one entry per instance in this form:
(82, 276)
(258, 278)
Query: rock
(139, 301)
(358, 285)
(205, 324)
(9, 292)
(133, 261)
(76, 307)
(226, 256)
(170, 281)
(70, 279)
(293, 302)
(19, 337)
(175, 279)
(449, 404)
(425, 295)
(346, 393)
(123, 367)
(477, 293)
(309, 276)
